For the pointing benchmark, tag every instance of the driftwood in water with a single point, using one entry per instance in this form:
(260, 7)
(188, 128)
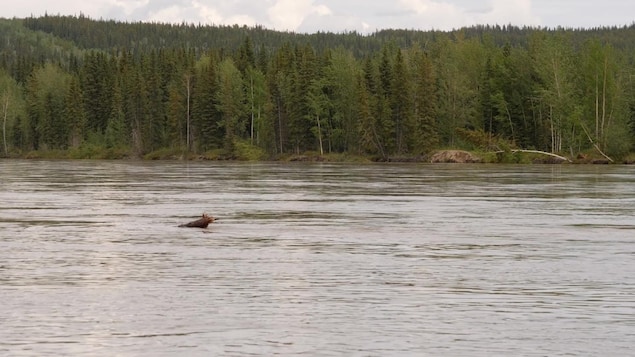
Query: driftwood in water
(202, 222)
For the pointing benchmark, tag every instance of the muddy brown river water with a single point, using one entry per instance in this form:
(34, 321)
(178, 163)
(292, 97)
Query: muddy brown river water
(316, 259)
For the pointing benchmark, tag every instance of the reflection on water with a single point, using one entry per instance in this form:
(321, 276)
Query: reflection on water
(316, 259)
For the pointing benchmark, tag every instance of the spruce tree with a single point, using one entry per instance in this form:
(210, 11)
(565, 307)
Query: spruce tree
(74, 113)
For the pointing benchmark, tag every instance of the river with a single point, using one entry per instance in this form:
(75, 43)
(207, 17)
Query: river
(316, 259)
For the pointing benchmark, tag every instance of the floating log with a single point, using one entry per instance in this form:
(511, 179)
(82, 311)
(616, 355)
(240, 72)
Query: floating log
(202, 222)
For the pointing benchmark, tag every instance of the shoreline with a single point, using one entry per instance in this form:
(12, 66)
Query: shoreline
(452, 156)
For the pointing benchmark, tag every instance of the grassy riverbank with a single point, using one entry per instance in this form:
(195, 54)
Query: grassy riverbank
(249, 153)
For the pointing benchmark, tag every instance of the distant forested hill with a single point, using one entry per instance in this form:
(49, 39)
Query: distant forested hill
(88, 87)
(105, 35)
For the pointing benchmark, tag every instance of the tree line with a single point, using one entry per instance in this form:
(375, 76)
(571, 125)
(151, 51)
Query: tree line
(76, 84)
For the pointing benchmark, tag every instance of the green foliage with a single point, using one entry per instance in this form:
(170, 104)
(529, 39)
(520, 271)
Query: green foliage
(97, 152)
(116, 133)
(509, 157)
(248, 152)
(620, 145)
(230, 100)
(340, 76)
(46, 105)
(103, 88)
(11, 111)
(97, 81)
(423, 136)
(74, 113)
(479, 139)
(164, 154)
(206, 120)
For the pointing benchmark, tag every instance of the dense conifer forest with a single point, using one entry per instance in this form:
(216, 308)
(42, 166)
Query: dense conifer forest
(71, 86)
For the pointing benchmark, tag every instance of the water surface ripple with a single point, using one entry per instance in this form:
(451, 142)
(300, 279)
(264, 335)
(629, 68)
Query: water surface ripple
(316, 259)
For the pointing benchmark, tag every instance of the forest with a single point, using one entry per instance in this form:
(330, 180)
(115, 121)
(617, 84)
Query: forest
(75, 87)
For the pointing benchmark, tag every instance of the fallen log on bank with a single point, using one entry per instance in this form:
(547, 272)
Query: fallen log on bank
(539, 152)
(594, 144)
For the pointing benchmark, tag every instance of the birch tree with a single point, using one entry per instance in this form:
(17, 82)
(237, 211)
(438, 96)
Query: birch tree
(555, 68)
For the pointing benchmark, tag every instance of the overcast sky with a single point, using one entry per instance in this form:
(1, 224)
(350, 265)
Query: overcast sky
(341, 15)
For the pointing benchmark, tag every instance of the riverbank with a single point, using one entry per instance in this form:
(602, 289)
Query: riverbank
(439, 156)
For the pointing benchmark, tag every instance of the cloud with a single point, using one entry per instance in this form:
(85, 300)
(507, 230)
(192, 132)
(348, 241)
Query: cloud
(428, 8)
(241, 20)
(367, 16)
(433, 14)
(26, 8)
(332, 23)
(290, 14)
(172, 14)
(129, 6)
(339, 15)
(196, 11)
(446, 15)
(207, 13)
(502, 12)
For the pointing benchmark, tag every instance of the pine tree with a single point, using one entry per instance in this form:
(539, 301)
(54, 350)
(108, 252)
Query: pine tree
(46, 93)
(54, 123)
(74, 113)
(369, 126)
(178, 112)
(297, 100)
(116, 131)
(137, 109)
(340, 76)
(245, 58)
(154, 136)
(423, 135)
(400, 104)
(206, 120)
(230, 103)
(97, 83)
(279, 81)
(34, 112)
(385, 126)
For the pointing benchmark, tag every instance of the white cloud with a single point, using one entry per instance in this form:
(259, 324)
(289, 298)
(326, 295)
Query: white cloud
(198, 11)
(340, 15)
(322, 10)
(502, 12)
(430, 8)
(241, 20)
(329, 22)
(191, 13)
(128, 6)
(172, 14)
(206, 13)
(290, 14)
(26, 8)
(447, 15)
(433, 14)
